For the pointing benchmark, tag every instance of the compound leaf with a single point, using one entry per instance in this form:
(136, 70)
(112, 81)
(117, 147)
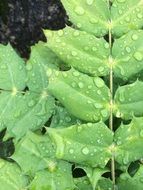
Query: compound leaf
(126, 15)
(86, 144)
(11, 177)
(89, 15)
(60, 177)
(12, 69)
(129, 61)
(85, 97)
(129, 140)
(129, 100)
(81, 50)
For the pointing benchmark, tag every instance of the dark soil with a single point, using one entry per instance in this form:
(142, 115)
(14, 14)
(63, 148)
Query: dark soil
(21, 21)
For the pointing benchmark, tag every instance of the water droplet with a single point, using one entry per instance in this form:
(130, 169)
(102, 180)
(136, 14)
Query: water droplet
(104, 113)
(76, 33)
(98, 106)
(74, 53)
(141, 133)
(134, 37)
(60, 32)
(31, 103)
(71, 151)
(128, 49)
(79, 10)
(139, 15)
(138, 56)
(49, 72)
(81, 85)
(99, 82)
(121, 1)
(93, 21)
(29, 67)
(101, 69)
(89, 2)
(85, 150)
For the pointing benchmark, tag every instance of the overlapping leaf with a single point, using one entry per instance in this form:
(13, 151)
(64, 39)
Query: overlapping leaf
(41, 59)
(35, 148)
(20, 110)
(126, 15)
(60, 178)
(85, 97)
(81, 50)
(11, 177)
(129, 140)
(89, 15)
(128, 54)
(129, 100)
(86, 144)
(127, 182)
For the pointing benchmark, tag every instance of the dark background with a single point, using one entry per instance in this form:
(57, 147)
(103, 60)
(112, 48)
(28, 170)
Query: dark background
(21, 21)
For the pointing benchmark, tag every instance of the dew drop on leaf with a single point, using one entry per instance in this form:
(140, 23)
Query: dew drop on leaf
(81, 85)
(138, 56)
(85, 150)
(79, 10)
(89, 2)
(99, 82)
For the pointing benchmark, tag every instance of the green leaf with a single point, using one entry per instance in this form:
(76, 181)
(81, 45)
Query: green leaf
(91, 16)
(83, 183)
(126, 15)
(126, 182)
(87, 144)
(129, 140)
(12, 69)
(41, 59)
(129, 100)
(81, 50)
(85, 97)
(34, 153)
(94, 175)
(104, 184)
(11, 177)
(19, 113)
(60, 177)
(128, 55)
(61, 118)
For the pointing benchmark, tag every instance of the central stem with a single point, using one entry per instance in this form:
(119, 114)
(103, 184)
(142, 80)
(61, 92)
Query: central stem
(111, 96)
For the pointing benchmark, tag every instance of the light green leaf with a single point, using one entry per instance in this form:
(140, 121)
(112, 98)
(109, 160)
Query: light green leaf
(34, 153)
(81, 50)
(41, 59)
(82, 183)
(126, 15)
(89, 15)
(129, 140)
(129, 100)
(61, 118)
(60, 178)
(85, 97)
(11, 177)
(19, 113)
(87, 144)
(12, 69)
(104, 184)
(128, 55)
(94, 175)
(126, 182)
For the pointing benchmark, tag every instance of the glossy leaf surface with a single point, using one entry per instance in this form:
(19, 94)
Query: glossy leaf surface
(87, 98)
(87, 144)
(80, 50)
